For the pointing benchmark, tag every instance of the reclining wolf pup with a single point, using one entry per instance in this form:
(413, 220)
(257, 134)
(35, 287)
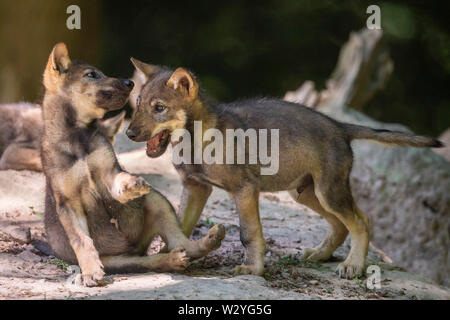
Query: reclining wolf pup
(315, 161)
(20, 135)
(96, 214)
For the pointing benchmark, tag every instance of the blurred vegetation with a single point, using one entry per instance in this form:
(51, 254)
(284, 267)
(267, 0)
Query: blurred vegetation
(238, 49)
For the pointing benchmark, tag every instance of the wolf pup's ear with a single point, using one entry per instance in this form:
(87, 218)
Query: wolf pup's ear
(58, 63)
(60, 58)
(184, 81)
(144, 70)
(113, 125)
(139, 80)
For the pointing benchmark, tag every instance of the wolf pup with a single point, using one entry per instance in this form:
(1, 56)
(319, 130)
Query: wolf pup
(20, 133)
(96, 214)
(21, 128)
(315, 160)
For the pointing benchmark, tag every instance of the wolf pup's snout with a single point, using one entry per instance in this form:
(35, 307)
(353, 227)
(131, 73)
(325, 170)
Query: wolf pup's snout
(121, 84)
(129, 84)
(131, 134)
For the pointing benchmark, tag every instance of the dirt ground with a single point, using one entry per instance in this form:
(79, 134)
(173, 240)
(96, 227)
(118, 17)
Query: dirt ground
(25, 273)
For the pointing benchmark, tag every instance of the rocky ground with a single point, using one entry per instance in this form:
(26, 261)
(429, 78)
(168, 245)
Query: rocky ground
(25, 273)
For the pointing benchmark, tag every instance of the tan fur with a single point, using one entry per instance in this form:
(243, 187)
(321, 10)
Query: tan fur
(20, 132)
(182, 80)
(178, 123)
(98, 215)
(315, 162)
(21, 126)
(17, 157)
(58, 62)
(82, 101)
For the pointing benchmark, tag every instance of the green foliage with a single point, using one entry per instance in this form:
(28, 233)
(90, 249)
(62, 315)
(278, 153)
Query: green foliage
(238, 49)
(329, 290)
(34, 212)
(288, 261)
(209, 222)
(58, 262)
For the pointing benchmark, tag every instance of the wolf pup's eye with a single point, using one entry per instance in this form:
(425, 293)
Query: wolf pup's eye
(93, 75)
(159, 108)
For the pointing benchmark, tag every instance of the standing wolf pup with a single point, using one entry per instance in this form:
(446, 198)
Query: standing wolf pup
(96, 214)
(315, 160)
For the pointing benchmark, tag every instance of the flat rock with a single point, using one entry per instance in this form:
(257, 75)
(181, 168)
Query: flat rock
(29, 256)
(288, 229)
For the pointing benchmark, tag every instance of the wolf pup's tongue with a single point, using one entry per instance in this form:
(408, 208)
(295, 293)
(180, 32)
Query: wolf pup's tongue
(153, 143)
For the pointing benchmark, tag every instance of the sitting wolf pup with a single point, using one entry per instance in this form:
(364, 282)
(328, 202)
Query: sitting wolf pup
(315, 160)
(96, 214)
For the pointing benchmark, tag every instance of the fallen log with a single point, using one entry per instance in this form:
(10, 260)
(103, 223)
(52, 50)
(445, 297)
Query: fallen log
(404, 191)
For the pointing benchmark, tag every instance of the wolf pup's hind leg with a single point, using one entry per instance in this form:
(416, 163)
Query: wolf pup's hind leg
(175, 260)
(21, 156)
(160, 219)
(337, 199)
(337, 232)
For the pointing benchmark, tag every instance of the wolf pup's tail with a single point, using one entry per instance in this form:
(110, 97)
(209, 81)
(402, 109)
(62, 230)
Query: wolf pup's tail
(393, 138)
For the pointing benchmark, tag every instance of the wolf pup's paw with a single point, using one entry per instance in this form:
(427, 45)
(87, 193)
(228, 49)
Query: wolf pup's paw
(348, 270)
(91, 278)
(214, 238)
(316, 254)
(127, 187)
(248, 269)
(177, 260)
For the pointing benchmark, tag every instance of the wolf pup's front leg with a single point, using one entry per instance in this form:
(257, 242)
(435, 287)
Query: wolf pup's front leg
(193, 200)
(251, 231)
(75, 224)
(71, 213)
(126, 187)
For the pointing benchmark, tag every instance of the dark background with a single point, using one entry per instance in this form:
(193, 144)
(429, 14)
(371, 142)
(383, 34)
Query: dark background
(238, 49)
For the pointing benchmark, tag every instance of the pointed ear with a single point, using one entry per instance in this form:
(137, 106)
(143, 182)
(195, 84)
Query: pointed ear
(113, 125)
(58, 63)
(184, 81)
(139, 82)
(59, 58)
(144, 70)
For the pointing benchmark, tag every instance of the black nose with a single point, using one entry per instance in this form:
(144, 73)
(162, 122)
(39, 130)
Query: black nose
(131, 134)
(129, 83)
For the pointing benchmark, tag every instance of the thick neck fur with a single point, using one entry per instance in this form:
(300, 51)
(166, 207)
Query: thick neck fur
(61, 119)
(202, 110)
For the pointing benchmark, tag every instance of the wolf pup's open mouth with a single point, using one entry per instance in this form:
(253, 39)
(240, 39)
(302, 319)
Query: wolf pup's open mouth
(157, 145)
